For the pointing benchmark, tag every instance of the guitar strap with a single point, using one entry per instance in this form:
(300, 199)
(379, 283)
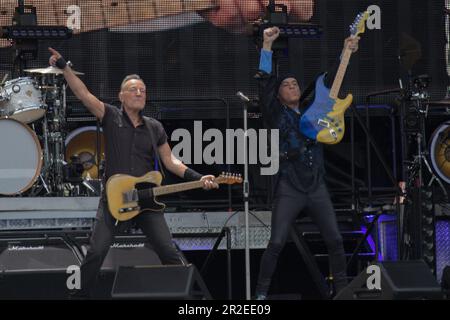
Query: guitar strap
(149, 124)
(306, 94)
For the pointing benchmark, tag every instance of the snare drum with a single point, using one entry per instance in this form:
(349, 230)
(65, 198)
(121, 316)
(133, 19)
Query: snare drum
(21, 157)
(21, 99)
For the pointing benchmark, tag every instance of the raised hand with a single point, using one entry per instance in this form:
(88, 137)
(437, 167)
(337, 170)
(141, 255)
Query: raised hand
(271, 34)
(352, 43)
(55, 56)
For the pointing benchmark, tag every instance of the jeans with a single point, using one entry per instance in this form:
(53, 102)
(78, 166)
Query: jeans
(152, 224)
(288, 203)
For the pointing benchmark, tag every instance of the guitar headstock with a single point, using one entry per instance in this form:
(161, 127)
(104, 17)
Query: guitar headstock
(359, 25)
(228, 178)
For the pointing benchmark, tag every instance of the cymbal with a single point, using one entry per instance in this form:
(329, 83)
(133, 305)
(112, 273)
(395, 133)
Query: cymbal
(50, 70)
(445, 102)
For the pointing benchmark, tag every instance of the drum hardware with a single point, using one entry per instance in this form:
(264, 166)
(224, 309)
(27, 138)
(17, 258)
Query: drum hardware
(50, 70)
(445, 103)
(421, 160)
(414, 222)
(75, 178)
(415, 115)
(4, 79)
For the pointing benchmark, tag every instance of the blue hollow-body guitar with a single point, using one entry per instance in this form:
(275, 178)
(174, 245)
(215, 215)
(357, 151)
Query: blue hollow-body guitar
(323, 120)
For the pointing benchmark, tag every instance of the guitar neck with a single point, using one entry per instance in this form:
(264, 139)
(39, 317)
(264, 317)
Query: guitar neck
(101, 14)
(340, 73)
(173, 188)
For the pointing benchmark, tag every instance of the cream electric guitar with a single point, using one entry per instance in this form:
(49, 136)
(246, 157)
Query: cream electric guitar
(102, 14)
(122, 192)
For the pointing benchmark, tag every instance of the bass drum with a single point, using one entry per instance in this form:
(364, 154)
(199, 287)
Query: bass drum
(21, 157)
(82, 143)
(440, 151)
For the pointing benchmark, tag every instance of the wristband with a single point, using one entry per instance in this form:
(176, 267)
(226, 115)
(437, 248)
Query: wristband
(192, 175)
(61, 63)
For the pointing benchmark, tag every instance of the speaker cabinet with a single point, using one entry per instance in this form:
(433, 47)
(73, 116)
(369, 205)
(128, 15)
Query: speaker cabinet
(35, 267)
(400, 280)
(159, 282)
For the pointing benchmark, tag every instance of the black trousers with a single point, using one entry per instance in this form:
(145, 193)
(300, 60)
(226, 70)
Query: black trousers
(153, 225)
(288, 204)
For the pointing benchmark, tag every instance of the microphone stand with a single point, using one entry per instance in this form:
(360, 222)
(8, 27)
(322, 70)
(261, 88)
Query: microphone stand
(245, 102)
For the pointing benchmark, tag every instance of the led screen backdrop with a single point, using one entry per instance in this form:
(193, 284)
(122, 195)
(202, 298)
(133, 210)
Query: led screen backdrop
(187, 55)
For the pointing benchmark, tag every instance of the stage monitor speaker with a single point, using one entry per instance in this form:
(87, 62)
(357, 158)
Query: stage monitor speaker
(400, 280)
(159, 282)
(125, 251)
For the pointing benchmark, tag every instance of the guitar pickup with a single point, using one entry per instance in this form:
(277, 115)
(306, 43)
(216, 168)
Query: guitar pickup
(130, 196)
(323, 123)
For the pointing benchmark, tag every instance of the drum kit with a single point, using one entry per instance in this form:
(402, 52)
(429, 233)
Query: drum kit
(440, 144)
(39, 156)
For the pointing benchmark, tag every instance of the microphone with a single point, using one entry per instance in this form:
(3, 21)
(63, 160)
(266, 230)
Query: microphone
(242, 96)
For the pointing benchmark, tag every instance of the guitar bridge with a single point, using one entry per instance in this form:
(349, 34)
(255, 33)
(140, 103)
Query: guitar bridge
(333, 134)
(323, 123)
(129, 209)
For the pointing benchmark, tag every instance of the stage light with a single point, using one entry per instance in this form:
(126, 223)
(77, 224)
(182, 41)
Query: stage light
(276, 15)
(35, 32)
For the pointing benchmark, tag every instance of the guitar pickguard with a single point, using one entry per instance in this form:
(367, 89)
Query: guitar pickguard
(315, 117)
(148, 202)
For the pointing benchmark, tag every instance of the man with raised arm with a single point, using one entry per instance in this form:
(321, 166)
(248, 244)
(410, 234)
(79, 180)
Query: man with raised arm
(299, 185)
(129, 149)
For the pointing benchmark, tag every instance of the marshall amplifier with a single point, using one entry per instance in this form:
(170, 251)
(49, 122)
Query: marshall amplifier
(35, 267)
(126, 250)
